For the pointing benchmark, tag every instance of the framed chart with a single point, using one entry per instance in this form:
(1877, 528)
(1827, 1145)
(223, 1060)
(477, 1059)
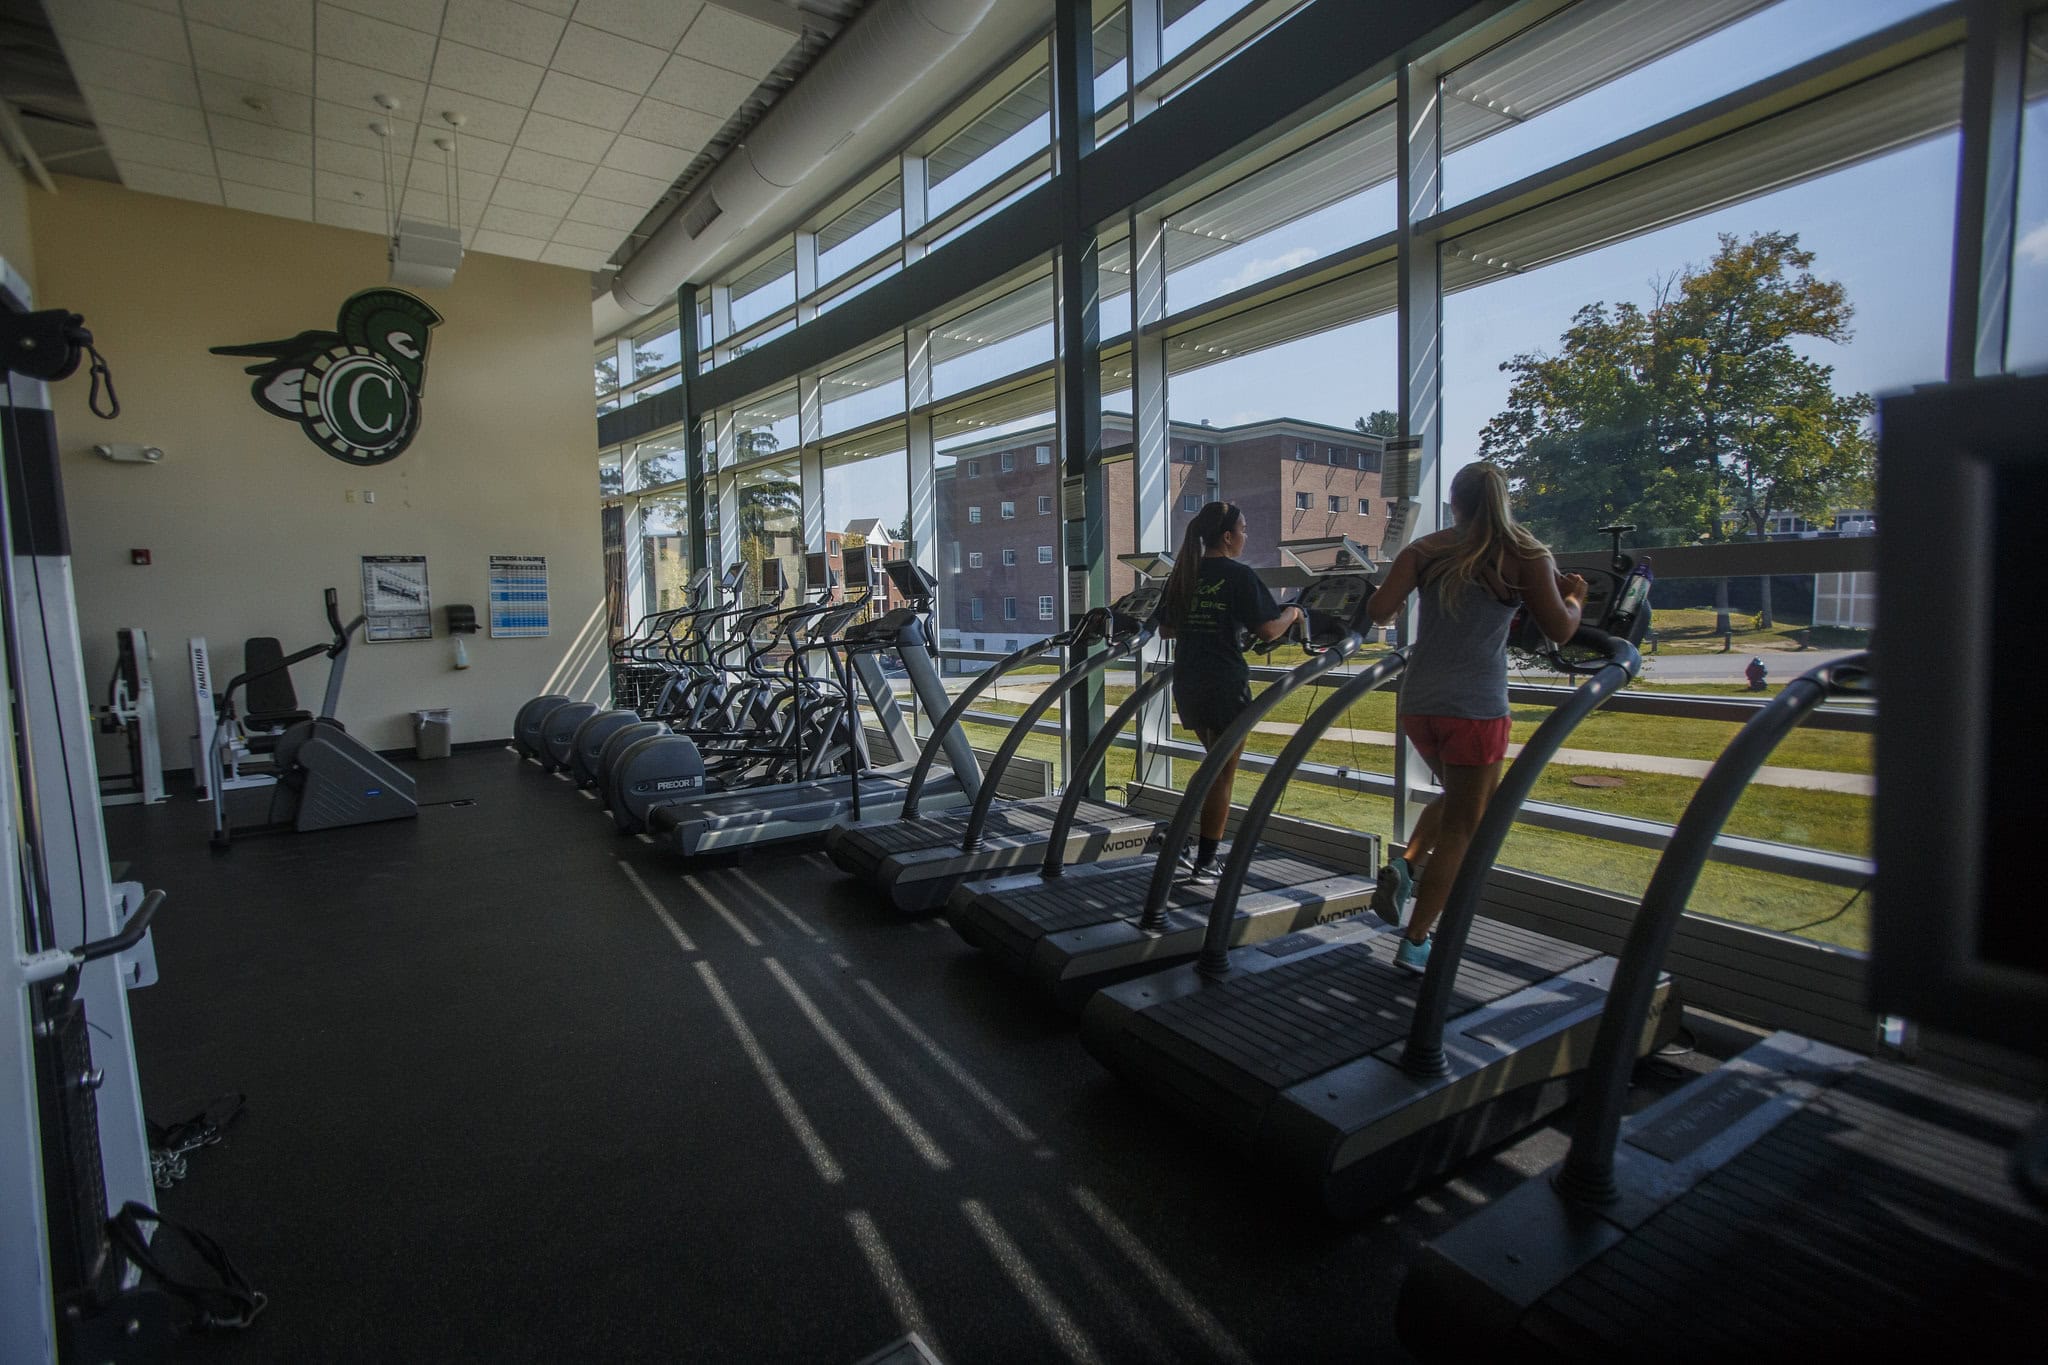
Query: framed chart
(519, 596)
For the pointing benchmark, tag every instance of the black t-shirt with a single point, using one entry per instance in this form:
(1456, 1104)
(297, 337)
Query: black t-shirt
(1228, 597)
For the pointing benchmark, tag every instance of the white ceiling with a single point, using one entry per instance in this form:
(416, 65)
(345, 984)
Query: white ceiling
(578, 114)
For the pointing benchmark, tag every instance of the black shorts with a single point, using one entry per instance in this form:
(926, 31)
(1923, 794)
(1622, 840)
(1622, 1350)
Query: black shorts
(1210, 710)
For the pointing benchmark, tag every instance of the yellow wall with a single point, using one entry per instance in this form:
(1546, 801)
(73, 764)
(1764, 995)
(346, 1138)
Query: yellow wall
(247, 520)
(16, 246)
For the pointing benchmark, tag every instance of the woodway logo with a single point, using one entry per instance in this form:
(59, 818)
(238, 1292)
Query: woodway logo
(354, 391)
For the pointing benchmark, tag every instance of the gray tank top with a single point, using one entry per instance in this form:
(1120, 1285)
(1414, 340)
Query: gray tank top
(1459, 665)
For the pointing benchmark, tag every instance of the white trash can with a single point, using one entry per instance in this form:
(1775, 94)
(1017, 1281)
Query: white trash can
(432, 731)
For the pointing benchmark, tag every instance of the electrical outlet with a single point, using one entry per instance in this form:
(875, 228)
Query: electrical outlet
(369, 495)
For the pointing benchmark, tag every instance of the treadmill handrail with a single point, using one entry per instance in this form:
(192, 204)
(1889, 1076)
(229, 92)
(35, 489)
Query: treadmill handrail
(1085, 768)
(1424, 1052)
(1222, 754)
(987, 678)
(1020, 730)
(1588, 1171)
(1215, 958)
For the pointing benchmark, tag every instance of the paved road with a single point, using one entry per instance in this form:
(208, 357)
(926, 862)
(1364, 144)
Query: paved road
(1783, 665)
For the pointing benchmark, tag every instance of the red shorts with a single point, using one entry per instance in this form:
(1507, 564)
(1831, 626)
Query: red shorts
(1458, 740)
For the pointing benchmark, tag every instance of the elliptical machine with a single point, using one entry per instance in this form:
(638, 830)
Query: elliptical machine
(326, 778)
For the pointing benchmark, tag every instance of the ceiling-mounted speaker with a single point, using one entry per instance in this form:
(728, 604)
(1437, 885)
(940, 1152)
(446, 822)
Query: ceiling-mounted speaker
(424, 255)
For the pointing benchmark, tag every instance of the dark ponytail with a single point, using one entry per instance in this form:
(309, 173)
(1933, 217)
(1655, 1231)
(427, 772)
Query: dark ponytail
(1207, 528)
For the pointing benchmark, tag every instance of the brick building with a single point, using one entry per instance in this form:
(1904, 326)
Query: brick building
(999, 523)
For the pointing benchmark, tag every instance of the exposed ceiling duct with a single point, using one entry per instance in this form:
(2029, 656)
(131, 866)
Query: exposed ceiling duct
(882, 77)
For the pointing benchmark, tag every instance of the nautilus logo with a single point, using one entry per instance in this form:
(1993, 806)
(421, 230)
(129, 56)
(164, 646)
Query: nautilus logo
(356, 390)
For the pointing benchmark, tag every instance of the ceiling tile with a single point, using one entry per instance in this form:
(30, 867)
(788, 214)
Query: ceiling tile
(261, 170)
(698, 85)
(481, 117)
(735, 42)
(167, 6)
(351, 37)
(501, 219)
(130, 148)
(119, 109)
(509, 244)
(580, 257)
(430, 175)
(621, 218)
(672, 124)
(424, 15)
(609, 59)
(348, 189)
(423, 206)
(517, 194)
(260, 199)
(660, 22)
(177, 184)
(347, 158)
(237, 54)
(281, 108)
(345, 123)
(624, 187)
(98, 65)
(559, 137)
(259, 139)
(501, 26)
(474, 155)
(474, 71)
(281, 21)
(572, 97)
(539, 168)
(590, 236)
(350, 216)
(357, 87)
(118, 24)
(647, 158)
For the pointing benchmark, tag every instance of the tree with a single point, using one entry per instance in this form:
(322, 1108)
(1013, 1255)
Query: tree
(763, 500)
(1383, 422)
(1696, 418)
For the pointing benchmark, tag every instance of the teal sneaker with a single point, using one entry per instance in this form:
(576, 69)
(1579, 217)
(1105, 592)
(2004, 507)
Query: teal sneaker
(1396, 885)
(1412, 956)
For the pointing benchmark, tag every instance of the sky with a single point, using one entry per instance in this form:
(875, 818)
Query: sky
(1882, 228)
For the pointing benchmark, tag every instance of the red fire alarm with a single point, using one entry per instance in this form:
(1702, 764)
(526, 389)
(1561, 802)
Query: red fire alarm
(138, 556)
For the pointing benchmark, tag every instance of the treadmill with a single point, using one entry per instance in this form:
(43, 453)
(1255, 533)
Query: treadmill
(919, 858)
(1801, 1200)
(1072, 930)
(1339, 1072)
(757, 816)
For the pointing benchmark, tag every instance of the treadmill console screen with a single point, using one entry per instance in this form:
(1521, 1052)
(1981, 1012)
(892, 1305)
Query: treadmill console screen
(859, 577)
(771, 576)
(911, 582)
(1337, 594)
(1139, 603)
(817, 572)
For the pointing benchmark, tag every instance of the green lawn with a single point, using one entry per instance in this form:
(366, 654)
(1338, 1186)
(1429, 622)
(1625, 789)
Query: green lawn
(1825, 820)
(1690, 630)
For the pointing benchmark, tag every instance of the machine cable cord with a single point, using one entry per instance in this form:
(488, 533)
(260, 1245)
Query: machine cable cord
(228, 1300)
(101, 373)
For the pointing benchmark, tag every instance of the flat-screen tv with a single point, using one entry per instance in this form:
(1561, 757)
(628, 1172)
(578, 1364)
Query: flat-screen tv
(1956, 940)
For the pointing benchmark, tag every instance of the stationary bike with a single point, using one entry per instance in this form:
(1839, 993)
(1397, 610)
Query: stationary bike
(326, 778)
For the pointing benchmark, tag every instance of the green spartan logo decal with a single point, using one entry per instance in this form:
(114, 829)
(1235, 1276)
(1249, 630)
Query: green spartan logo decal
(355, 391)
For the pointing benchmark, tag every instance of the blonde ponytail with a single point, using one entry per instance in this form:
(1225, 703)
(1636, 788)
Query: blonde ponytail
(1487, 529)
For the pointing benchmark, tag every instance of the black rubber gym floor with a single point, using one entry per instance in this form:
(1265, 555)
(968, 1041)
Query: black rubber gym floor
(521, 1089)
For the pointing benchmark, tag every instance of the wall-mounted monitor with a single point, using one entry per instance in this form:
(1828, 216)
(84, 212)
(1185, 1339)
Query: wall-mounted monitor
(1956, 942)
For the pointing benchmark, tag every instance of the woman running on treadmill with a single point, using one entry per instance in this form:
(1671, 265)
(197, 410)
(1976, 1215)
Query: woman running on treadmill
(1454, 693)
(1210, 597)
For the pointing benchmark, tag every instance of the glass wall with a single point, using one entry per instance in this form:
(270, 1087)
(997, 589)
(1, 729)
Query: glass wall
(1688, 342)
(2026, 345)
(665, 548)
(768, 509)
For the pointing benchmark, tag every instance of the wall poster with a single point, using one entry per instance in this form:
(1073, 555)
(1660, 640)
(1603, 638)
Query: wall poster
(519, 596)
(395, 598)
